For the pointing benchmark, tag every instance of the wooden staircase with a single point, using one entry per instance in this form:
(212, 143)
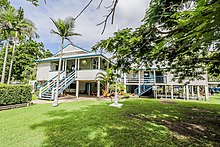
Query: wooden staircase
(48, 90)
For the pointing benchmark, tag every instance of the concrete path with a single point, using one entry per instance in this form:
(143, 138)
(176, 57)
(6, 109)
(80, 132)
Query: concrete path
(68, 99)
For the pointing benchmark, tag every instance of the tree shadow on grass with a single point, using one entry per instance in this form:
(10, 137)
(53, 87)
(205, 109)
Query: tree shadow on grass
(197, 124)
(138, 123)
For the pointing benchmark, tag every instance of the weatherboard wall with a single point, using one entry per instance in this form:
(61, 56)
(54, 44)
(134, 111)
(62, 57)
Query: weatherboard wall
(43, 70)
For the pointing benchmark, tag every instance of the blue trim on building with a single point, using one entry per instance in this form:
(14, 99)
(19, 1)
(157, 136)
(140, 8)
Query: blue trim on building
(71, 57)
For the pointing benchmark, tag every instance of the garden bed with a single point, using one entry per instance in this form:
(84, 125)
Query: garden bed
(7, 107)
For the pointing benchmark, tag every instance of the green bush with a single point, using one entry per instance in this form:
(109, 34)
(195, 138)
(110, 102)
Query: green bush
(126, 95)
(15, 94)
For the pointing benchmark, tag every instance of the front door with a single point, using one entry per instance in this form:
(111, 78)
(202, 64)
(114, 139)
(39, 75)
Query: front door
(88, 88)
(159, 77)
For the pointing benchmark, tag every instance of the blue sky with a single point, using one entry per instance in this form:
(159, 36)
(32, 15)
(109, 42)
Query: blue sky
(129, 14)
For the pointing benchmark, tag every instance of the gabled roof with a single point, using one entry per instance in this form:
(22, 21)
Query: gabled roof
(72, 49)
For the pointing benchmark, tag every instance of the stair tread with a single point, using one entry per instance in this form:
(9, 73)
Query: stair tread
(64, 83)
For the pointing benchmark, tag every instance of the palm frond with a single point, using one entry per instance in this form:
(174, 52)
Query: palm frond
(59, 26)
(65, 28)
(13, 20)
(55, 32)
(100, 74)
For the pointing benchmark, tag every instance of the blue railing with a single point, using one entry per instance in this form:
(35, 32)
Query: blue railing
(50, 88)
(146, 89)
(143, 88)
(63, 84)
(50, 80)
(159, 79)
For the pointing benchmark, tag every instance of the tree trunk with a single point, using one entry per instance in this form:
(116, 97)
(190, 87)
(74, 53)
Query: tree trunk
(107, 88)
(5, 62)
(12, 57)
(58, 75)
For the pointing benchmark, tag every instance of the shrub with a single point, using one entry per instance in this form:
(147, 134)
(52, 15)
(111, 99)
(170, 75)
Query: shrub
(15, 94)
(120, 87)
(126, 95)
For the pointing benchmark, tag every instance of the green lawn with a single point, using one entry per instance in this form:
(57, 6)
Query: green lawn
(215, 99)
(140, 122)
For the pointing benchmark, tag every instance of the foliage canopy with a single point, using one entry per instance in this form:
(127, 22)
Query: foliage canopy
(182, 36)
(25, 55)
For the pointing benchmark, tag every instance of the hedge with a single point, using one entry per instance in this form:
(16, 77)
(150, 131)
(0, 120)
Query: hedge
(15, 94)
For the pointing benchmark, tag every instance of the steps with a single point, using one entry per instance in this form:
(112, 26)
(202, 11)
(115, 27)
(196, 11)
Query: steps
(143, 89)
(48, 90)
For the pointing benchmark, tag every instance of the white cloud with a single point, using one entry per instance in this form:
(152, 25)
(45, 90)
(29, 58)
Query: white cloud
(129, 14)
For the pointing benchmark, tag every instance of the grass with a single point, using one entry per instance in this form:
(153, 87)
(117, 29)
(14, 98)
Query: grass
(140, 122)
(215, 99)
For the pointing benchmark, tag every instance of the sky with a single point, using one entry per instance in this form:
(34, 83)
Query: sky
(129, 14)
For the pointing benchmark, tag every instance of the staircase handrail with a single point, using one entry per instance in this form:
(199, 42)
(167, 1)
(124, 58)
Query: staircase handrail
(50, 88)
(54, 86)
(51, 79)
(65, 79)
(143, 91)
(46, 87)
(64, 84)
(146, 82)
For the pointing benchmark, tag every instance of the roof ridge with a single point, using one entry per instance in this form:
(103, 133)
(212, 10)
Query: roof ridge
(73, 46)
(80, 47)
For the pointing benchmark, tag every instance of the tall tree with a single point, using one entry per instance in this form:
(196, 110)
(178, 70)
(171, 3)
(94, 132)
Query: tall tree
(178, 35)
(4, 4)
(65, 29)
(7, 17)
(21, 26)
(188, 30)
(26, 53)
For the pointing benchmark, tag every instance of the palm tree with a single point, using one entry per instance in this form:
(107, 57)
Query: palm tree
(4, 4)
(7, 17)
(65, 29)
(106, 78)
(21, 26)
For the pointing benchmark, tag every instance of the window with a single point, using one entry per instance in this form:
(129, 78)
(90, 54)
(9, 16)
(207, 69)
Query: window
(73, 86)
(135, 74)
(56, 67)
(95, 63)
(104, 64)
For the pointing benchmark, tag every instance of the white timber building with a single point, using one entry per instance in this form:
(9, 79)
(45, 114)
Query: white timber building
(80, 67)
